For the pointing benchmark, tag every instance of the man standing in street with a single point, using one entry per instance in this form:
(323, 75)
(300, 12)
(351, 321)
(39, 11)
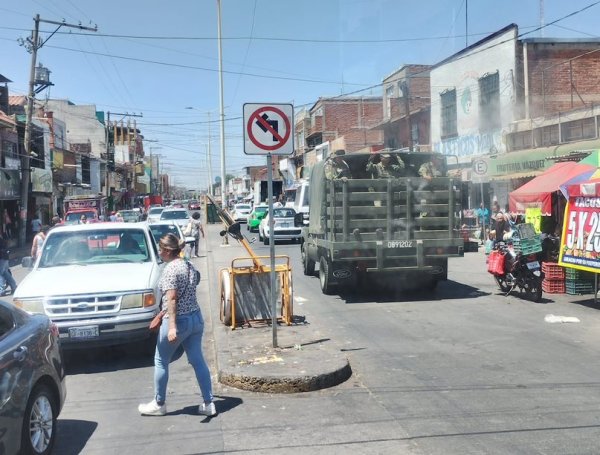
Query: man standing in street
(336, 167)
(385, 169)
(483, 219)
(6, 278)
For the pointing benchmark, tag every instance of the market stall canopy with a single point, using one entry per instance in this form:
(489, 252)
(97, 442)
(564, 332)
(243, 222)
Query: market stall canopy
(538, 191)
(589, 187)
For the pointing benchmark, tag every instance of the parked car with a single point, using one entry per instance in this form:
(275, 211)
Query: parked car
(154, 214)
(161, 228)
(194, 205)
(257, 214)
(179, 216)
(130, 216)
(32, 384)
(241, 212)
(284, 226)
(98, 283)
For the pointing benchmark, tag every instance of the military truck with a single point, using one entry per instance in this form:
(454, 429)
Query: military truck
(396, 229)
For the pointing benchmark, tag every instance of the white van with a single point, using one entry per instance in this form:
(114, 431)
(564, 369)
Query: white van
(301, 201)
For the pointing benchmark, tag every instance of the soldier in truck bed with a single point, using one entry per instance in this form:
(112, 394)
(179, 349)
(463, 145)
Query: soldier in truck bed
(384, 169)
(336, 167)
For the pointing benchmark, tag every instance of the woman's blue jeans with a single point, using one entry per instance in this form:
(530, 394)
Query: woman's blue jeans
(189, 334)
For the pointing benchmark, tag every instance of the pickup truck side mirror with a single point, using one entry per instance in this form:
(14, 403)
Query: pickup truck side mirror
(298, 220)
(27, 262)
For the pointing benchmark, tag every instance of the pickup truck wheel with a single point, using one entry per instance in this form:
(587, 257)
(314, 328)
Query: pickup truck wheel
(309, 264)
(325, 276)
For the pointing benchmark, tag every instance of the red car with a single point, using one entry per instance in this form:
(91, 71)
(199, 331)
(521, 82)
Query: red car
(194, 205)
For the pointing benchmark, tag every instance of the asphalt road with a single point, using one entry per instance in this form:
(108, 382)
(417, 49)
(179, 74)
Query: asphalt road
(459, 370)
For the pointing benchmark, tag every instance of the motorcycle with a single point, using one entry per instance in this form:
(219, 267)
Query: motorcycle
(513, 270)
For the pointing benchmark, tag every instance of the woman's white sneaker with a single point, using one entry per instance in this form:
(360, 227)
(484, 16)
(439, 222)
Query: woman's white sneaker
(207, 409)
(152, 409)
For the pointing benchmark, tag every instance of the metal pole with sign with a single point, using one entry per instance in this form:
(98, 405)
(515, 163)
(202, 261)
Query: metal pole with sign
(481, 176)
(268, 130)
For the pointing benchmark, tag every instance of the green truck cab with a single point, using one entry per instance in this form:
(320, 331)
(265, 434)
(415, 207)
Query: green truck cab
(364, 227)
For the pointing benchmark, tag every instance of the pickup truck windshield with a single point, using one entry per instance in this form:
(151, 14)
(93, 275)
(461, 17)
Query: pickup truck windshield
(94, 247)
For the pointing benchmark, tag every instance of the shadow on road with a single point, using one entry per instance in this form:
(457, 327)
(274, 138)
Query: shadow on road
(444, 291)
(112, 358)
(73, 435)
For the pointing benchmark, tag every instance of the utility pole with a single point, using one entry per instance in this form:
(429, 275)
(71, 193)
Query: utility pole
(405, 93)
(32, 46)
(110, 148)
(221, 111)
(209, 160)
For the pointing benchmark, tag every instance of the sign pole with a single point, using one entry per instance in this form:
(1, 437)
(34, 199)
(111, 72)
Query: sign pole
(273, 294)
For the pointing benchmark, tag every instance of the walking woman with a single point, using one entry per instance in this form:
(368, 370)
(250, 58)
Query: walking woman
(182, 325)
(197, 229)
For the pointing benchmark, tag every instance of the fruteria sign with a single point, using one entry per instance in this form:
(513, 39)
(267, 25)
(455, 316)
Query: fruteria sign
(580, 241)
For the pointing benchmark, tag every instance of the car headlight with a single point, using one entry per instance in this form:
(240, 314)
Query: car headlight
(31, 306)
(146, 299)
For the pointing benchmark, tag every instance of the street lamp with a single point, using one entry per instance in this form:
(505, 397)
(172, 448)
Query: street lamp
(208, 151)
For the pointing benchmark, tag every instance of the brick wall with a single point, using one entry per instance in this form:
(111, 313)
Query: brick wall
(560, 69)
(351, 118)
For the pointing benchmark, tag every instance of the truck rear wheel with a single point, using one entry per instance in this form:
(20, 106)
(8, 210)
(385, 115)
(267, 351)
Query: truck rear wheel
(309, 264)
(325, 275)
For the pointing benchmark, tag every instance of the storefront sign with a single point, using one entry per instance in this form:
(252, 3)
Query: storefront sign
(10, 184)
(532, 162)
(533, 215)
(580, 241)
(41, 180)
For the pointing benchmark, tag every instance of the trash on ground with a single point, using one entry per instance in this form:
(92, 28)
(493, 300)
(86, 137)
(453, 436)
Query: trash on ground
(552, 319)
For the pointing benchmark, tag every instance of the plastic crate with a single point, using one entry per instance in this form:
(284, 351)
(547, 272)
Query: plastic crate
(553, 286)
(577, 287)
(527, 246)
(553, 271)
(574, 274)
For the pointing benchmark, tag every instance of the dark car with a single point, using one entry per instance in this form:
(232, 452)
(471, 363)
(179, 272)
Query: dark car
(32, 381)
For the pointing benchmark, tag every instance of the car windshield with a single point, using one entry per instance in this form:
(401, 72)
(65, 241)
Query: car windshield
(74, 217)
(174, 215)
(130, 215)
(160, 230)
(93, 247)
(283, 213)
(242, 207)
(260, 209)
(155, 211)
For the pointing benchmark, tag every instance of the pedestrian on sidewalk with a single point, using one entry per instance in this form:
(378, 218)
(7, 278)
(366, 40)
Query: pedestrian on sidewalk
(36, 224)
(6, 278)
(197, 229)
(38, 242)
(182, 325)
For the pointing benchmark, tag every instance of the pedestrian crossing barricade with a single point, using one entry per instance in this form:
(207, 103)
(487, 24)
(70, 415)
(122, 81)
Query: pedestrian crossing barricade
(245, 291)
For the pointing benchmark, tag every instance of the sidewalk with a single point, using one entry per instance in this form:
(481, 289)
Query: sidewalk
(306, 359)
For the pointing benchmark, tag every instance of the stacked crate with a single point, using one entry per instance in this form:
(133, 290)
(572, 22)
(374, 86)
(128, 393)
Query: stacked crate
(579, 282)
(554, 278)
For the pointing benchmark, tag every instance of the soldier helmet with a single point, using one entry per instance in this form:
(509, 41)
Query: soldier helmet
(386, 155)
(339, 152)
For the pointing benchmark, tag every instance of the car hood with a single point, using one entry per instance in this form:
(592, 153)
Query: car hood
(86, 279)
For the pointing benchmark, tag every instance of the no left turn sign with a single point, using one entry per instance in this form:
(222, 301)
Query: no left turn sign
(268, 129)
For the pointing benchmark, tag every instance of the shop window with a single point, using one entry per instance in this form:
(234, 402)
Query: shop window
(521, 140)
(578, 130)
(85, 170)
(549, 135)
(489, 102)
(448, 102)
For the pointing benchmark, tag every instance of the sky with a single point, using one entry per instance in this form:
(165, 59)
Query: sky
(156, 59)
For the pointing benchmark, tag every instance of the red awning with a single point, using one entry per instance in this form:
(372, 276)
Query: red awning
(538, 191)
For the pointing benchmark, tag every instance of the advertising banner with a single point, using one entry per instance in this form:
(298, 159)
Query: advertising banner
(580, 240)
(533, 215)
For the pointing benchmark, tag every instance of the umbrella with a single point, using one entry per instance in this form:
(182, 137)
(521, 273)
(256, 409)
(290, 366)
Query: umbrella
(587, 173)
(593, 159)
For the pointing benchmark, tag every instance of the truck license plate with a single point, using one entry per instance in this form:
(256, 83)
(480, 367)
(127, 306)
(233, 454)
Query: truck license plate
(533, 265)
(84, 332)
(400, 244)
